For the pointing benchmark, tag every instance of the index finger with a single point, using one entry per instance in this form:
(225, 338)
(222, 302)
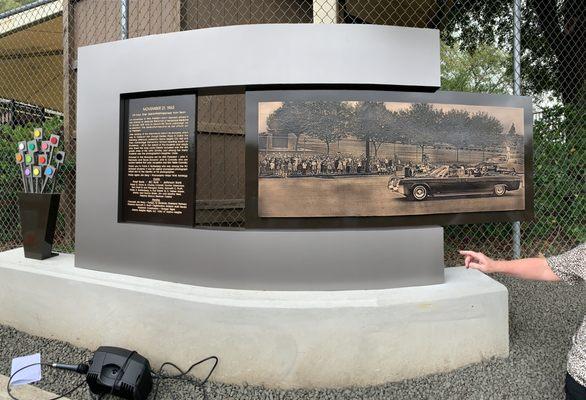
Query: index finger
(470, 253)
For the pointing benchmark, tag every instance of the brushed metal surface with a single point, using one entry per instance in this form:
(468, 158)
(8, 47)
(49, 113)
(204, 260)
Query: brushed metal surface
(252, 259)
(267, 54)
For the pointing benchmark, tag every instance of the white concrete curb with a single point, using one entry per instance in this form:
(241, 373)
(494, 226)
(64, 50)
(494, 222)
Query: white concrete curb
(276, 339)
(26, 392)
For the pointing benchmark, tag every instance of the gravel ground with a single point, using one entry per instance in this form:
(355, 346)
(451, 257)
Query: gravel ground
(543, 317)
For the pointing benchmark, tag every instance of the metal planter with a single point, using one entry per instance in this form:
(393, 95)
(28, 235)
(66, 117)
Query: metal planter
(38, 218)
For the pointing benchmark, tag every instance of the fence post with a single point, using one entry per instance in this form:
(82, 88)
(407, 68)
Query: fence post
(67, 232)
(12, 113)
(325, 11)
(517, 92)
(123, 19)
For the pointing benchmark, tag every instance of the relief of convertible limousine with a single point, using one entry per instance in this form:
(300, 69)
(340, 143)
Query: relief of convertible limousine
(456, 180)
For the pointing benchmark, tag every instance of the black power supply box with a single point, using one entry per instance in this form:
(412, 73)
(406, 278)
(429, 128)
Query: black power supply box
(120, 372)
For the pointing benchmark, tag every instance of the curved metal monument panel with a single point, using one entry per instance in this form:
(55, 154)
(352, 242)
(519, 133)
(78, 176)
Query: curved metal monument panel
(268, 54)
(250, 56)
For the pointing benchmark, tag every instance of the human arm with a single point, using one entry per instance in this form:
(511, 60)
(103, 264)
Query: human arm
(527, 268)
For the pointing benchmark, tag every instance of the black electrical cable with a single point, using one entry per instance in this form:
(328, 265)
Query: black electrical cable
(43, 365)
(181, 376)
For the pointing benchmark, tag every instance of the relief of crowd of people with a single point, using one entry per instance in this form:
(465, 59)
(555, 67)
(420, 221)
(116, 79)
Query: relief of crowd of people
(287, 164)
(283, 165)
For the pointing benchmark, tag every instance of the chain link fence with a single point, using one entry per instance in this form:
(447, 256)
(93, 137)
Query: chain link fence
(531, 47)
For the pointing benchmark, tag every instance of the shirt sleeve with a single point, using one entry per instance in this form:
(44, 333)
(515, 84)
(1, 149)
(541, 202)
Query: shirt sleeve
(570, 266)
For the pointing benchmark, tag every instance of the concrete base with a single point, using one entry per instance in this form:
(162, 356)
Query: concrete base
(277, 339)
(25, 392)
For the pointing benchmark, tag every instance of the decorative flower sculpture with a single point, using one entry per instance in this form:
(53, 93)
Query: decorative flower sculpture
(39, 161)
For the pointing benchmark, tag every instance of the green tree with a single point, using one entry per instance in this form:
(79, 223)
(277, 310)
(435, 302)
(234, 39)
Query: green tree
(560, 201)
(7, 5)
(553, 66)
(486, 69)
(552, 37)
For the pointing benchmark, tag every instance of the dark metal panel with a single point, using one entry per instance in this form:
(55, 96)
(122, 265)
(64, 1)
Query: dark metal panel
(254, 221)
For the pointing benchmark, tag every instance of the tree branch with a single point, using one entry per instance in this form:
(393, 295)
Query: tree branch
(549, 21)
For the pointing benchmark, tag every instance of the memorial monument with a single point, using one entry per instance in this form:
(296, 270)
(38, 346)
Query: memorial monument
(345, 168)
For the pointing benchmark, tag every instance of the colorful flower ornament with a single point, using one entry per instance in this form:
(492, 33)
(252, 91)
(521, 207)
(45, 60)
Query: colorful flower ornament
(35, 158)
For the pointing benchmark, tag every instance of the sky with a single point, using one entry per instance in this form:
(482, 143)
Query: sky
(506, 115)
(264, 110)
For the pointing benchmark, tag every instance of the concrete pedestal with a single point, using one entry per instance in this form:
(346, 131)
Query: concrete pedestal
(27, 392)
(273, 338)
